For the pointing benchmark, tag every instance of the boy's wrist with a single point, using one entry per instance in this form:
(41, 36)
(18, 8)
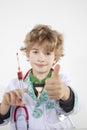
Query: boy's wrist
(4, 108)
(67, 94)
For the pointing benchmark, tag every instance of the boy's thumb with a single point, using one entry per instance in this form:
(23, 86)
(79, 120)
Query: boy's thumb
(56, 71)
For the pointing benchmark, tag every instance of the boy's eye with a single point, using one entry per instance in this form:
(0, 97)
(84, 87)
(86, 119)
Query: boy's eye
(48, 53)
(35, 51)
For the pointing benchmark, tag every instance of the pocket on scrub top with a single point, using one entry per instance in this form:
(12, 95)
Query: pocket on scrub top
(66, 123)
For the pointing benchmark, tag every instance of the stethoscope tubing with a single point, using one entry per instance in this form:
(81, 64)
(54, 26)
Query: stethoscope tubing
(25, 109)
(27, 116)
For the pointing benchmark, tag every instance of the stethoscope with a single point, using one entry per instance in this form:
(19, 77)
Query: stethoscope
(26, 116)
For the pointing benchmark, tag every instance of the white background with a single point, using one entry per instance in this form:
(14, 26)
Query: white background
(17, 17)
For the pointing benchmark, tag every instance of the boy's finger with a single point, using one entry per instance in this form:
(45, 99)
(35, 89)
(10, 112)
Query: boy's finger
(56, 71)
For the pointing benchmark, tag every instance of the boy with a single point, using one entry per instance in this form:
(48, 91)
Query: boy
(48, 94)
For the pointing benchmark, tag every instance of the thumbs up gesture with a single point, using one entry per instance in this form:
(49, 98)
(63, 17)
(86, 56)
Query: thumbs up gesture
(55, 88)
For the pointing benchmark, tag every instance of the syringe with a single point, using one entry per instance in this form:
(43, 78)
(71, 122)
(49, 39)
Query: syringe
(20, 77)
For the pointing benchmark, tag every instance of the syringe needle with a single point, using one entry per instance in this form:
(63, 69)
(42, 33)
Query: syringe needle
(18, 62)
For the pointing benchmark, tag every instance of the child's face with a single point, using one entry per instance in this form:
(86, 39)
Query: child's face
(40, 60)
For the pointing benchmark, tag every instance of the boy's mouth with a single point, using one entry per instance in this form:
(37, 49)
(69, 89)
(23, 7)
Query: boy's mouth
(40, 65)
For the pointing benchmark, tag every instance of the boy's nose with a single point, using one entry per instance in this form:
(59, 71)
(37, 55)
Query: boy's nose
(41, 56)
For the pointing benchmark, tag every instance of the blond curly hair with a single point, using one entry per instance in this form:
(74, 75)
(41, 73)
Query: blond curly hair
(41, 33)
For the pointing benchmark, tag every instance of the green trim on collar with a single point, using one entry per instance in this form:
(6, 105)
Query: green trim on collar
(35, 80)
